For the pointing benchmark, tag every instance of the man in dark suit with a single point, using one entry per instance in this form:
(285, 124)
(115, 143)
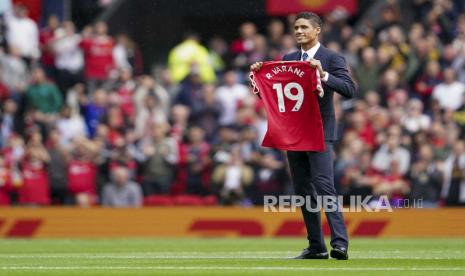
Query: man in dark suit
(312, 172)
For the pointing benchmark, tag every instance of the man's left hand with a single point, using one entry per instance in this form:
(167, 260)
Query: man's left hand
(315, 63)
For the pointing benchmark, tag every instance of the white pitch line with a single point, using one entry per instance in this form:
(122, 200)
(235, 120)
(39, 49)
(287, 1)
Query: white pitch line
(200, 256)
(231, 268)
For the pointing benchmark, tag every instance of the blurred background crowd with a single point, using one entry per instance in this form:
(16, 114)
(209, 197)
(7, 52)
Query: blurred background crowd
(83, 123)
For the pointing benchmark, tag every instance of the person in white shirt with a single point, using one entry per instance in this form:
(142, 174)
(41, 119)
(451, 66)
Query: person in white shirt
(449, 94)
(14, 72)
(70, 126)
(69, 59)
(415, 120)
(230, 95)
(66, 46)
(23, 33)
(389, 152)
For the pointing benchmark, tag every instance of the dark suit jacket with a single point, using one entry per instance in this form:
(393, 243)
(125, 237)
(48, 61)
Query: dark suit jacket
(339, 81)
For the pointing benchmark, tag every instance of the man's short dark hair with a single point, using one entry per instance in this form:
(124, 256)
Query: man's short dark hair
(314, 19)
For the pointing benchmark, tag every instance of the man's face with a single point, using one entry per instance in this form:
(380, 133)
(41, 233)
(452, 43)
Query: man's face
(305, 32)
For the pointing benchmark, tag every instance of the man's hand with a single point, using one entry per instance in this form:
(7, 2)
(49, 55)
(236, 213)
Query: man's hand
(315, 63)
(256, 66)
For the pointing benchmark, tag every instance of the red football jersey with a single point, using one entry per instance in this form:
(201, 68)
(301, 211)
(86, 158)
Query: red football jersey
(289, 90)
(82, 177)
(35, 189)
(98, 57)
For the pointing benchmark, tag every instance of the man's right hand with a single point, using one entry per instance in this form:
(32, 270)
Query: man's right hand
(256, 66)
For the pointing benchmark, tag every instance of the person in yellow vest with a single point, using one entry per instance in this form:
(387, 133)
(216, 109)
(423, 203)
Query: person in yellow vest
(190, 57)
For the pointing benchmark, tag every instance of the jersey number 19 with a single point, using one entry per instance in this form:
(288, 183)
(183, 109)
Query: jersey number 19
(298, 97)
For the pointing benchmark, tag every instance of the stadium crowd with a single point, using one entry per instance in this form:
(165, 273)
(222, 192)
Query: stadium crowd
(81, 124)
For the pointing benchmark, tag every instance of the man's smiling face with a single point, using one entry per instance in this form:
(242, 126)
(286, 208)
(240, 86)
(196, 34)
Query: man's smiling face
(305, 33)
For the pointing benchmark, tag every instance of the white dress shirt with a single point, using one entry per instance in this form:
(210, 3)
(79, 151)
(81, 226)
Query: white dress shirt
(311, 53)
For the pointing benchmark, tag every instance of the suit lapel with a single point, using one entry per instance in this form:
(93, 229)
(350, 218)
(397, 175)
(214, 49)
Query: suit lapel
(321, 56)
(319, 53)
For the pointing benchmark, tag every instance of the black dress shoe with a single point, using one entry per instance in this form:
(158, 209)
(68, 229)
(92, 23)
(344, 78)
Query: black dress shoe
(339, 253)
(310, 253)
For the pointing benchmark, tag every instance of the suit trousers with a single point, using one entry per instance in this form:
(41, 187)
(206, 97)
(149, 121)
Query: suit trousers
(312, 176)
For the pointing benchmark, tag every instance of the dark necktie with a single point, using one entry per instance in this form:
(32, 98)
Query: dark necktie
(304, 56)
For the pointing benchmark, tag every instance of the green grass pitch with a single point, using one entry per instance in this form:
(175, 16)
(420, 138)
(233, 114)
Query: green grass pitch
(227, 257)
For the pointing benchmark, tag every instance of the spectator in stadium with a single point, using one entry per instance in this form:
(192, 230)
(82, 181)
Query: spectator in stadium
(69, 59)
(69, 126)
(230, 94)
(271, 178)
(440, 20)
(190, 91)
(275, 33)
(260, 51)
(427, 81)
(390, 15)
(414, 119)
(5, 183)
(82, 172)
(244, 45)
(389, 83)
(218, 51)
(95, 110)
(116, 123)
(122, 153)
(76, 96)
(360, 177)
(389, 151)
(179, 121)
(151, 113)
(14, 73)
(148, 85)
(450, 92)
(248, 145)
(392, 184)
(190, 57)
(10, 121)
(228, 136)
(367, 72)
(425, 178)
(453, 187)
(232, 178)
(23, 33)
(195, 162)
(438, 138)
(57, 169)
(125, 87)
(458, 117)
(44, 97)
(48, 100)
(207, 112)
(287, 46)
(166, 82)
(121, 191)
(127, 55)
(361, 125)
(350, 152)
(98, 56)
(47, 36)
(160, 156)
(459, 40)
(35, 187)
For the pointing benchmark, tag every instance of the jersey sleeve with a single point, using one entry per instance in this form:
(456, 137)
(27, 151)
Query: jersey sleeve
(319, 87)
